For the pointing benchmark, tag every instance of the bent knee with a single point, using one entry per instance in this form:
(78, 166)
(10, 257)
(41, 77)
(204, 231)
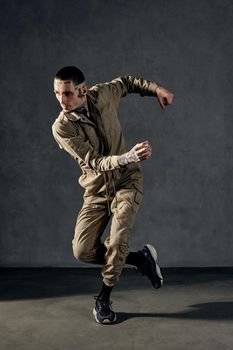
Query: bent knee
(79, 252)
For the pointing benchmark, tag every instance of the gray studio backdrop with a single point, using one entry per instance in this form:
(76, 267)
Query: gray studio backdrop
(187, 211)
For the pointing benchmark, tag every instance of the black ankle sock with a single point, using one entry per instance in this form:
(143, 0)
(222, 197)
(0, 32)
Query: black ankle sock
(105, 292)
(135, 258)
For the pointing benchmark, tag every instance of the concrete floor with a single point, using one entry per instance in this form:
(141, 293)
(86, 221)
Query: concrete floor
(51, 309)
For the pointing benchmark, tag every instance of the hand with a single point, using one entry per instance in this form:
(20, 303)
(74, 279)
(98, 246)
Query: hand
(141, 151)
(165, 97)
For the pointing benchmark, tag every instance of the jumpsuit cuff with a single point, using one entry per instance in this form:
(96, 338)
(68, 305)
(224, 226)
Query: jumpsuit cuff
(151, 89)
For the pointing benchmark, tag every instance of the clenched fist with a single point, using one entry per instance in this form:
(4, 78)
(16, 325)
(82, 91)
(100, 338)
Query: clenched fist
(141, 151)
(164, 96)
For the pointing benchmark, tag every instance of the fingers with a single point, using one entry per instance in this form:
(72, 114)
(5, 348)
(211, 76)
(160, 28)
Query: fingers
(161, 102)
(142, 145)
(145, 155)
(165, 98)
(143, 150)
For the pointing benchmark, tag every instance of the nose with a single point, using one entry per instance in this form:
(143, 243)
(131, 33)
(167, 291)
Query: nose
(62, 99)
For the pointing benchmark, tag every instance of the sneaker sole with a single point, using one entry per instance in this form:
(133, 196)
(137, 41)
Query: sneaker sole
(158, 270)
(105, 321)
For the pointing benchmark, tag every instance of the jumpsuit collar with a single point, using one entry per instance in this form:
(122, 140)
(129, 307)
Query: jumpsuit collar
(76, 115)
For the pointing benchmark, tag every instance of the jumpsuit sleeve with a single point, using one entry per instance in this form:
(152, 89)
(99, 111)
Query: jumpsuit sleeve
(120, 87)
(81, 149)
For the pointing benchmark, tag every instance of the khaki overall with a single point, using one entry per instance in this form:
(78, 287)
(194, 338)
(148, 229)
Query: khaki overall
(111, 191)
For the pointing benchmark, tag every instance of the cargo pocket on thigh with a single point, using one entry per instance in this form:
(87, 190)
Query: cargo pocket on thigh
(138, 195)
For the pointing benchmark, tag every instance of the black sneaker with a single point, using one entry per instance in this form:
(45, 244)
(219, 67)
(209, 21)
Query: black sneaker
(103, 312)
(150, 267)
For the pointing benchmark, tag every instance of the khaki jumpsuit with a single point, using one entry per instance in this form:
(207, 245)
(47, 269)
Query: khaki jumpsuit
(110, 189)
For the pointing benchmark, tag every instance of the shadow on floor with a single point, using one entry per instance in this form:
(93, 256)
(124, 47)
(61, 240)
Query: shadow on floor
(213, 311)
(38, 283)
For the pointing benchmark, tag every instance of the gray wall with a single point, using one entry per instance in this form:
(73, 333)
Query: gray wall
(185, 45)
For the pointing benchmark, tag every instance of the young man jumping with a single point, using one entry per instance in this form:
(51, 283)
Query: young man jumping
(89, 130)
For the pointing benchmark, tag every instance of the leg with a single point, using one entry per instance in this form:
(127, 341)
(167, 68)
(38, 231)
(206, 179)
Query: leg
(91, 223)
(124, 208)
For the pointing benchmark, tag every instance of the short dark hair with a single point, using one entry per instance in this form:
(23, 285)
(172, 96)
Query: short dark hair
(71, 73)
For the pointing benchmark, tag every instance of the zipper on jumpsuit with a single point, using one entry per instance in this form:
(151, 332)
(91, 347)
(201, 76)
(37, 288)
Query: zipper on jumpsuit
(105, 147)
(93, 110)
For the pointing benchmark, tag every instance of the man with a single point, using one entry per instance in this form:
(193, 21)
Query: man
(89, 130)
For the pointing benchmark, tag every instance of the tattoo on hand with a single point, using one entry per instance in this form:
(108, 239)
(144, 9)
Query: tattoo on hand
(129, 157)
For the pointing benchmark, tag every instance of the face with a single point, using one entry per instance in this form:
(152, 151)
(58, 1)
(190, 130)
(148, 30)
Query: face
(67, 95)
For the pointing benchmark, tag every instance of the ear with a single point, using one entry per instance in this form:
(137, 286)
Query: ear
(84, 89)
